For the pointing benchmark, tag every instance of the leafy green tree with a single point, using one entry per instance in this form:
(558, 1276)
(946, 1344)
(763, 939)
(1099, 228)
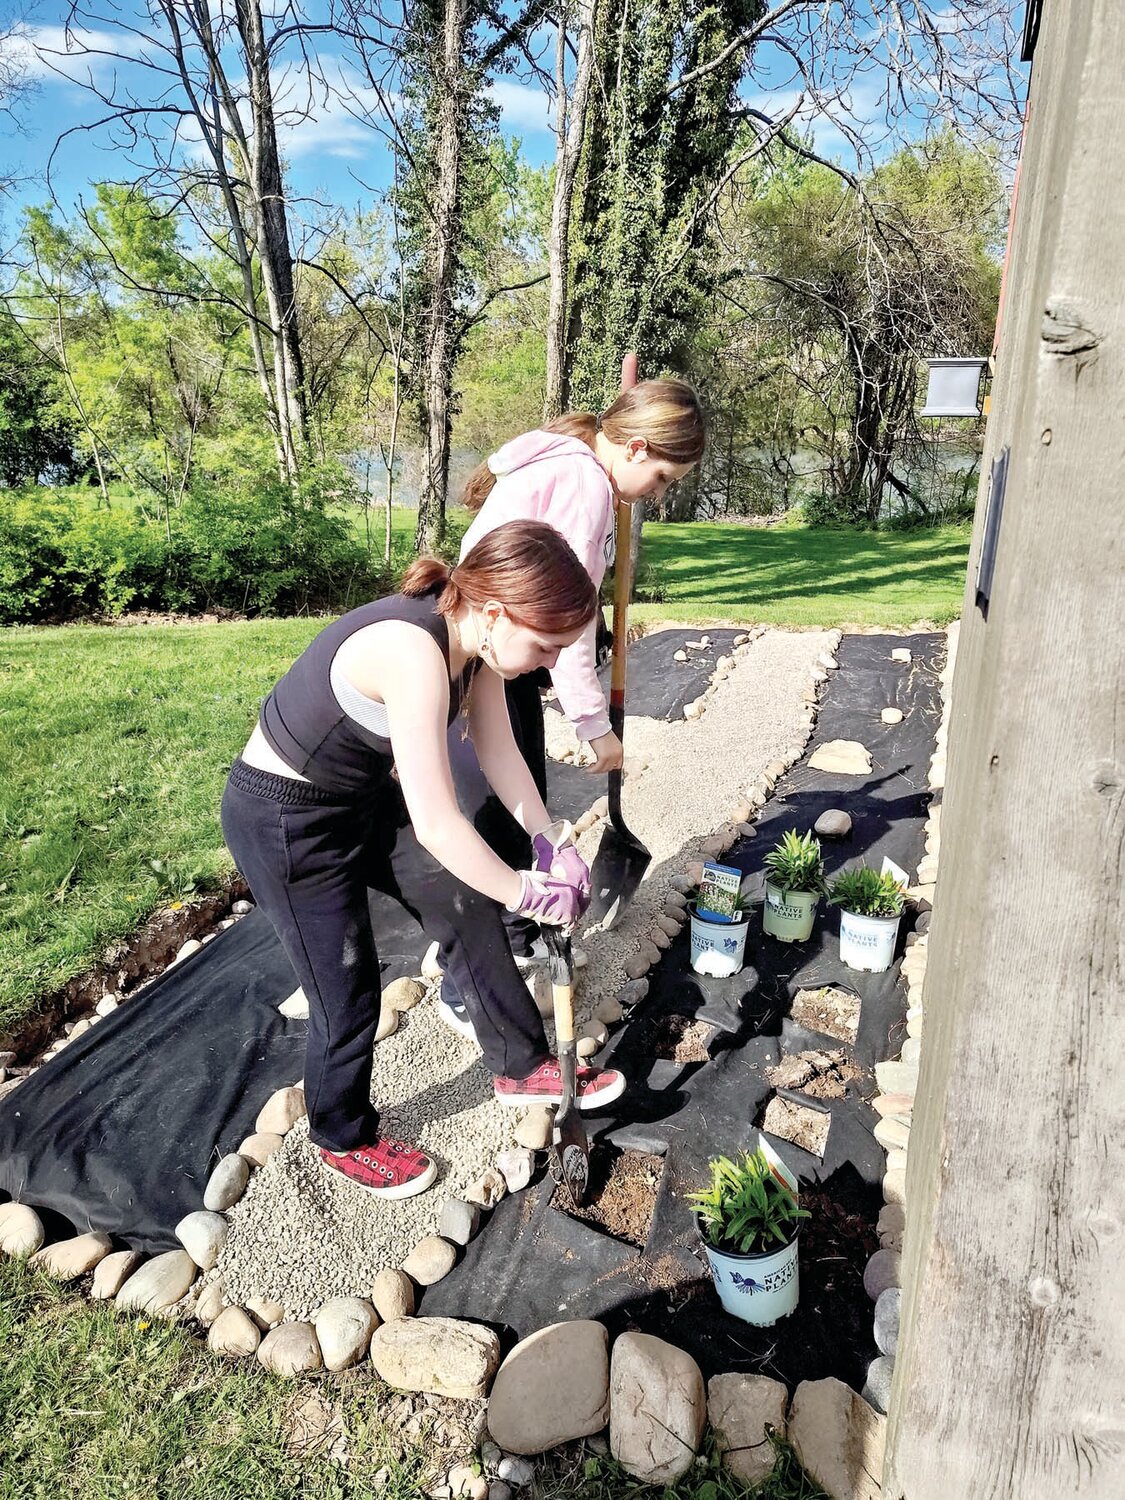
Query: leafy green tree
(35, 435)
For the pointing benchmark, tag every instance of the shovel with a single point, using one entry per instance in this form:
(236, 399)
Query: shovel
(621, 861)
(570, 1147)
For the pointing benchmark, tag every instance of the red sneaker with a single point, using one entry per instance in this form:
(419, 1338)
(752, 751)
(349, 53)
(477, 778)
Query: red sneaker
(389, 1168)
(594, 1086)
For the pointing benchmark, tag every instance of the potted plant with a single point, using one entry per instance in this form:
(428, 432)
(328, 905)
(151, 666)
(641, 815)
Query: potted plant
(749, 1218)
(718, 946)
(870, 903)
(794, 886)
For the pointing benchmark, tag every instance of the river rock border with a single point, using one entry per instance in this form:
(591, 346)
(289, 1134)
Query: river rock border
(898, 1079)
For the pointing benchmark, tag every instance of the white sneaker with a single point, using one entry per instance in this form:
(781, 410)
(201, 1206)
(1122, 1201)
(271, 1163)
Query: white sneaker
(456, 1017)
(538, 956)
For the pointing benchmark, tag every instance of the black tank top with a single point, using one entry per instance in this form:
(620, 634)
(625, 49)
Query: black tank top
(305, 725)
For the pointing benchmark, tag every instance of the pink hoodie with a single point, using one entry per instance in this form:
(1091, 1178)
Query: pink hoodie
(542, 476)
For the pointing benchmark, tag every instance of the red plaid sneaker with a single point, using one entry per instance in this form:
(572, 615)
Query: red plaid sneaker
(389, 1168)
(595, 1086)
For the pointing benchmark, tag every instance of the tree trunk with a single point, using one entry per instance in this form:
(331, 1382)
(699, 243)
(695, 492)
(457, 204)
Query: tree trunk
(274, 251)
(440, 333)
(570, 131)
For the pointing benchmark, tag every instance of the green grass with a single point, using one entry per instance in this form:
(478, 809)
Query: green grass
(117, 741)
(116, 747)
(108, 1407)
(797, 575)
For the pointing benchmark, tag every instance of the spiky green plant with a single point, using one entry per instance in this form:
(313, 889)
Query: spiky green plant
(746, 1206)
(795, 864)
(867, 892)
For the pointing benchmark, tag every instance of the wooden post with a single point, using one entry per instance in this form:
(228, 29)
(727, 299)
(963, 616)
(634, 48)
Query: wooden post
(1010, 1378)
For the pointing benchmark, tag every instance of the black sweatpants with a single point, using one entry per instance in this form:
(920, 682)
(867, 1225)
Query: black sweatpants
(309, 857)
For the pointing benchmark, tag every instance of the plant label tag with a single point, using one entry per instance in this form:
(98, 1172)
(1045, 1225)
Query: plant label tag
(718, 892)
(777, 1166)
(888, 867)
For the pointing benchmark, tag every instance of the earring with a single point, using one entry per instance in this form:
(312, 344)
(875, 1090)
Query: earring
(486, 645)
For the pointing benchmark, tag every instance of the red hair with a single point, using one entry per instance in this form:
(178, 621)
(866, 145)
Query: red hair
(526, 566)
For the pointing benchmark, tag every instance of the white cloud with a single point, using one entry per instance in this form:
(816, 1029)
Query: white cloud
(521, 107)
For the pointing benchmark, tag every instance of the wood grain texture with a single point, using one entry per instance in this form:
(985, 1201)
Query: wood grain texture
(1010, 1379)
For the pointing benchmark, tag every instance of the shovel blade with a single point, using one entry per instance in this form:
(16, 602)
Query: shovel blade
(570, 1164)
(618, 869)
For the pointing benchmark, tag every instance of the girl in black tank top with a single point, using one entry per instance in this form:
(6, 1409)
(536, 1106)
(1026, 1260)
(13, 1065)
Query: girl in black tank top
(326, 803)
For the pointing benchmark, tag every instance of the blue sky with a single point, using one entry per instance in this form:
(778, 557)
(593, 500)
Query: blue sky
(334, 155)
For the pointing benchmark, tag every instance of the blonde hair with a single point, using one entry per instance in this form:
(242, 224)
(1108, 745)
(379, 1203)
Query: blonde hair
(665, 413)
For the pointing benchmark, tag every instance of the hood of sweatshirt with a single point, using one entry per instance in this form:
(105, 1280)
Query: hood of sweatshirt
(532, 447)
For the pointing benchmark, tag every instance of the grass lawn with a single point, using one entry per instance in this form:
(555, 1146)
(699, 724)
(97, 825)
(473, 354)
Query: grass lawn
(108, 1407)
(796, 575)
(117, 741)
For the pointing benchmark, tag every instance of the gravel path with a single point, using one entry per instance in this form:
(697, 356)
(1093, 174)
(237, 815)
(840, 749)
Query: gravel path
(299, 1236)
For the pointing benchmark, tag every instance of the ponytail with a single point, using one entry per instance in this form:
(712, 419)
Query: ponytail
(429, 575)
(666, 413)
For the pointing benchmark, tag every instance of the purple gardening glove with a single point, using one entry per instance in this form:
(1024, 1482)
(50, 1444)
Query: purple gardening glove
(555, 854)
(547, 900)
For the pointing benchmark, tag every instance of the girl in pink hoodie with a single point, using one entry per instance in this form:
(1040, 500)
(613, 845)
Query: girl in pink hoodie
(570, 474)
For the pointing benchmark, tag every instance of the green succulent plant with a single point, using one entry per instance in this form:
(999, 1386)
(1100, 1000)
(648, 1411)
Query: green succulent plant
(746, 1206)
(795, 864)
(867, 892)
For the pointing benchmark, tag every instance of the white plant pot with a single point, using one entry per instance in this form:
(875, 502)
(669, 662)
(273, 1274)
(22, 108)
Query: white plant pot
(759, 1289)
(717, 948)
(868, 943)
(789, 915)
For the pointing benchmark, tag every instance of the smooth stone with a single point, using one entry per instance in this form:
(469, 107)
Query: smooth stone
(894, 1186)
(658, 1407)
(892, 1220)
(535, 1129)
(833, 824)
(265, 1312)
(67, 1259)
(499, 1489)
(259, 1147)
(839, 1439)
(552, 1388)
(892, 1104)
(113, 1272)
(388, 1024)
(896, 1159)
(488, 1189)
(516, 1164)
(841, 758)
(291, 1349)
(897, 1077)
(158, 1284)
(106, 1005)
(431, 968)
(234, 1334)
(596, 1031)
(891, 716)
(650, 953)
(295, 1007)
(901, 653)
(430, 1260)
(444, 1356)
(882, 1272)
(633, 993)
(693, 709)
(608, 1010)
(464, 1481)
(888, 1308)
(600, 807)
(638, 965)
(679, 656)
(242, 908)
(585, 1047)
(683, 884)
(203, 1235)
(227, 1183)
(192, 945)
(343, 1327)
(516, 1471)
(877, 1387)
(403, 994)
(211, 1302)
(660, 939)
(280, 1112)
(911, 1050)
(21, 1229)
(393, 1294)
(741, 1409)
(459, 1220)
(892, 1133)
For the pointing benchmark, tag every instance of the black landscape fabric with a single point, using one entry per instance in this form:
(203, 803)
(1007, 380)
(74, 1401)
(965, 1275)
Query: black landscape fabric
(121, 1130)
